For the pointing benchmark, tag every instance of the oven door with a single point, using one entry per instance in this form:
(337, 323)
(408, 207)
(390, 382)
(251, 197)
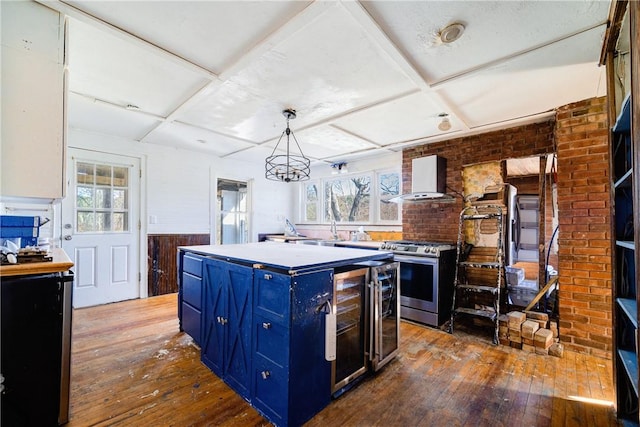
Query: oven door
(418, 282)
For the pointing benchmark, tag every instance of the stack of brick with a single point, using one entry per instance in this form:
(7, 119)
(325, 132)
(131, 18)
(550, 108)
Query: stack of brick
(530, 331)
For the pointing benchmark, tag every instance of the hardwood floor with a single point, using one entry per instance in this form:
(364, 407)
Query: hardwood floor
(132, 367)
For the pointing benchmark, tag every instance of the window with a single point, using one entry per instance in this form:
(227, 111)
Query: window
(311, 200)
(347, 199)
(361, 198)
(388, 187)
(102, 198)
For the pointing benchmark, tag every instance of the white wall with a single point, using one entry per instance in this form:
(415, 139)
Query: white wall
(179, 186)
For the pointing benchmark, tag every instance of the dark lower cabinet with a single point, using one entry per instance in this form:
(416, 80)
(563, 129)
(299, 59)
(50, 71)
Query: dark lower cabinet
(262, 332)
(226, 334)
(35, 349)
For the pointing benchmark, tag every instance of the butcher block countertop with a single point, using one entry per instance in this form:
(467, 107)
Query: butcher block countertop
(60, 263)
(289, 256)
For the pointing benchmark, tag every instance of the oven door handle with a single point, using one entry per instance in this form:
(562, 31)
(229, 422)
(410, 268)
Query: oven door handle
(415, 259)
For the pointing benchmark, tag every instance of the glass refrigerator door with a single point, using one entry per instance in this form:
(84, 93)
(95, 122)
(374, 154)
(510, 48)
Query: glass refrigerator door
(386, 314)
(349, 306)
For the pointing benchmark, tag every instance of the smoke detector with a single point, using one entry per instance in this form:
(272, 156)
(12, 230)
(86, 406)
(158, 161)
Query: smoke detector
(451, 33)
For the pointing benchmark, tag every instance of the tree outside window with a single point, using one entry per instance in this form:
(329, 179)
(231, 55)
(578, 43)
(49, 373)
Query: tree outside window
(311, 202)
(389, 187)
(348, 199)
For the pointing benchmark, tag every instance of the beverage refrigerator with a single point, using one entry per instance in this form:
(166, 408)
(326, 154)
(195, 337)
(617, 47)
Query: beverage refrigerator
(365, 309)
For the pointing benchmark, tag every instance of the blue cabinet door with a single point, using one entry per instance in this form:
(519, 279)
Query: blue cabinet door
(214, 315)
(238, 328)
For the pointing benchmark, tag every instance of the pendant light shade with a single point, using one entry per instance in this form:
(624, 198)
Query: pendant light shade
(292, 166)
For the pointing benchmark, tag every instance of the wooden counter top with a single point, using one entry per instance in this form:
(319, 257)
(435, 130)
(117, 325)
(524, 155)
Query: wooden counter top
(60, 263)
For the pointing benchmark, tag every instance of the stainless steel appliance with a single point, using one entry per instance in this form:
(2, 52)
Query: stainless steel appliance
(426, 279)
(365, 307)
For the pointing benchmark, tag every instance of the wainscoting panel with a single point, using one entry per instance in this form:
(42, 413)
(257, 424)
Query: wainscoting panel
(162, 268)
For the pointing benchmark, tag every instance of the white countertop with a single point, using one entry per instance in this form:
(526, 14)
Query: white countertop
(288, 256)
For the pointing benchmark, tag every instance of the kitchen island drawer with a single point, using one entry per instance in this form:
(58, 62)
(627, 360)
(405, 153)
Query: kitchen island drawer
(192, 264)
(191, 318)
(271, 341)
(192, 290)
(272, 296)
(271, 391)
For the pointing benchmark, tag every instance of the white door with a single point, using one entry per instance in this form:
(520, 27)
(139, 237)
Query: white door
(100, 226)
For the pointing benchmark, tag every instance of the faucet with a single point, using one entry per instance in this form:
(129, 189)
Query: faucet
(334, 230)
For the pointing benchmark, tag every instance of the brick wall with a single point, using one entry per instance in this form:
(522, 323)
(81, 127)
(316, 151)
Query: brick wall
(581, 135)
(439, 221)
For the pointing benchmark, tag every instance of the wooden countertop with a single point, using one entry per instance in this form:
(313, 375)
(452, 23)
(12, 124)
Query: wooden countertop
(60, 263)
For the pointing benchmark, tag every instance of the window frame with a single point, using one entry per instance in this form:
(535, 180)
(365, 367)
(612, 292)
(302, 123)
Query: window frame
(374, 194)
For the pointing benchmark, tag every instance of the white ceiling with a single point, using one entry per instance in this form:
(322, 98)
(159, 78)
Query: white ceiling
(366, 77)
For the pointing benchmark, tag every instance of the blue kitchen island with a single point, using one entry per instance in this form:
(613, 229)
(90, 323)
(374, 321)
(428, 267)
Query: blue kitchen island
(264, 315)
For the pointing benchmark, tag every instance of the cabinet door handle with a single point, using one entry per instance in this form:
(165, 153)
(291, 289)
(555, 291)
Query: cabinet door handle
(268, 276)
(266, 325)
(265, 374)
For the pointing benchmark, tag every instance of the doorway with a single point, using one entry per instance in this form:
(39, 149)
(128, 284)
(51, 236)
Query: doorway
(100, 226)
(232, 200)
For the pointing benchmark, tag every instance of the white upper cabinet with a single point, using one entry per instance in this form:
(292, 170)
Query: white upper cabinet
(33, 101)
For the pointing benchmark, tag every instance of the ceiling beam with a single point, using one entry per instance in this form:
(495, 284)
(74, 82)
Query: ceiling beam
(75, 13)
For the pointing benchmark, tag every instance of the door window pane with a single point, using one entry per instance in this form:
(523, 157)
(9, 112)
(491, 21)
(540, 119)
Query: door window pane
(119, 199)
(102, 198)
(85, 173)
(84, 197)
(86, 222)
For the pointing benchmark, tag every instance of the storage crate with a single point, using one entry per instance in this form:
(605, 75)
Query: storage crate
(25, 228)
(521, 295)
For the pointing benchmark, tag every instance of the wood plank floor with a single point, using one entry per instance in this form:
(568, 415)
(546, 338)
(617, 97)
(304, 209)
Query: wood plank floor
(132, 367)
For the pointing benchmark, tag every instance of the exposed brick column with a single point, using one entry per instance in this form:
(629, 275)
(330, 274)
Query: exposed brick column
(582, 138)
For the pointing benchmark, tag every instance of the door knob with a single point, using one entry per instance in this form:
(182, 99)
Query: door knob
(68, 237)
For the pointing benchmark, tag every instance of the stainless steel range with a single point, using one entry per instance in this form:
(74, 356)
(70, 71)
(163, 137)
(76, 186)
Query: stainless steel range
(426, 279)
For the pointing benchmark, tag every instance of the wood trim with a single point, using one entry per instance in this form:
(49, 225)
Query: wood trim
(162, 277)
(634, 47)
(614, 23)
(58, 264)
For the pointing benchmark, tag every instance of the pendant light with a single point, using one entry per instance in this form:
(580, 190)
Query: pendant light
(290, 166)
